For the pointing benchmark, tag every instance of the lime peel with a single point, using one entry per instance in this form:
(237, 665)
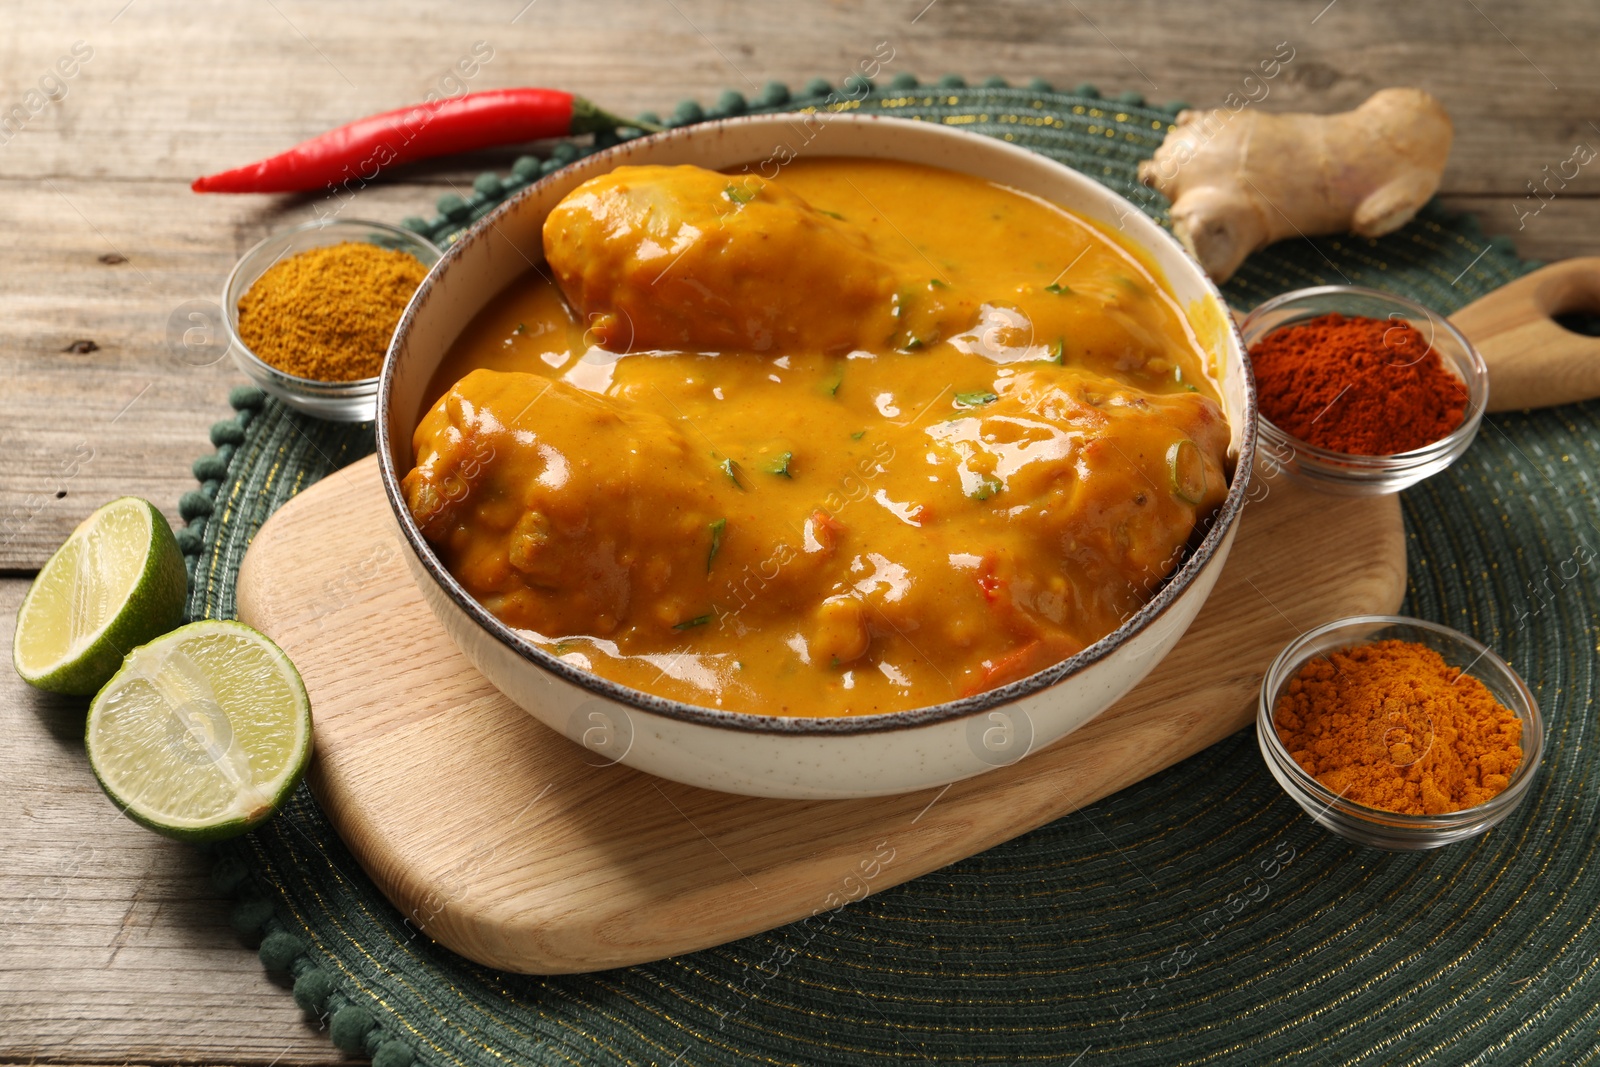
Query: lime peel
(203, 734)
(117, 582)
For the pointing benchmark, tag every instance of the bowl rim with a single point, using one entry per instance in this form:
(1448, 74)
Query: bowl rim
(1494, 809)
(1355, 463)
(230, 308)
(1222, 522)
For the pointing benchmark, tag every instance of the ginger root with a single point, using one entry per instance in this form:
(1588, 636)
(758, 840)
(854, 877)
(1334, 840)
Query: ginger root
(1239, 182)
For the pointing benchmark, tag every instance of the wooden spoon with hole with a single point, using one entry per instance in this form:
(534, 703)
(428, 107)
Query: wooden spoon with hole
(1533, 360)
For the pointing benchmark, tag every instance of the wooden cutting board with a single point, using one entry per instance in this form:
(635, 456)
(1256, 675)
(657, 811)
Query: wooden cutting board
(501, 840)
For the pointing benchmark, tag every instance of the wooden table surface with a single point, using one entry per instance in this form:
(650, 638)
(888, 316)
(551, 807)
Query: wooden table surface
(113, 948)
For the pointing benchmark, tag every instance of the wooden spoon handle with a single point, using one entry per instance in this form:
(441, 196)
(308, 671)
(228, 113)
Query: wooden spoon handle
(1533, 361)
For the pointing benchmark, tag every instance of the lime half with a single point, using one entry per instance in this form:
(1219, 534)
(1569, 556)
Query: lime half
(203, 734)
(117, 583)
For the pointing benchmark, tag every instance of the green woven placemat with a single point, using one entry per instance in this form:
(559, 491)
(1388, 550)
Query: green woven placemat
(1196, 917)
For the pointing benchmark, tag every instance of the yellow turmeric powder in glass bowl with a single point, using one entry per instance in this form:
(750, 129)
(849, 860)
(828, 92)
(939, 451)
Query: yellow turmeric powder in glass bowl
(1398, 733)
(310, 311)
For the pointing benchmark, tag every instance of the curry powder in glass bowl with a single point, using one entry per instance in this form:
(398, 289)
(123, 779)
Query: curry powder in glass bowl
(1398, 733)
(310, 311)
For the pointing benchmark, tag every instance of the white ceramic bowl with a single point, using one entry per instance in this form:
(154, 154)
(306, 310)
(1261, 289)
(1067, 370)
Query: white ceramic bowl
(871, 755)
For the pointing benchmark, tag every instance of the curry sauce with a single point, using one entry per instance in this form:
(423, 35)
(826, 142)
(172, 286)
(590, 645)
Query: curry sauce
(868, 437)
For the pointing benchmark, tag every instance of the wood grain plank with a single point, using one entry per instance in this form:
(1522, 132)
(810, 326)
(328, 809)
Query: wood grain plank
(175, 89)
(1565, 227)
(132, 415)
(113, 945)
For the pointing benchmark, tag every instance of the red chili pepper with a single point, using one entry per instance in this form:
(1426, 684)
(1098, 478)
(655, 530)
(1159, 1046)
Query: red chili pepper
(990, 582)
(459, 124)
(826, 529)
(1018, 663)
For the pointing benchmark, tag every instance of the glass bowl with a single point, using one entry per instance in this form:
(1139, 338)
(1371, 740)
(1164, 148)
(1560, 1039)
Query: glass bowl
(1353, 475)
(1372, 826)
(354, 401)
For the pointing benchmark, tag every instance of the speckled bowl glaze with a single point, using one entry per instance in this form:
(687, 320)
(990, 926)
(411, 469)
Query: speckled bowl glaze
(871, 755)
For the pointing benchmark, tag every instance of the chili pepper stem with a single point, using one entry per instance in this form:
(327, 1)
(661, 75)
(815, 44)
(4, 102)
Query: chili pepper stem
(588, 117)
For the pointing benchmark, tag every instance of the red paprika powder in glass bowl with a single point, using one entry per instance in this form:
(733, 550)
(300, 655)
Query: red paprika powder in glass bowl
(1361, 392)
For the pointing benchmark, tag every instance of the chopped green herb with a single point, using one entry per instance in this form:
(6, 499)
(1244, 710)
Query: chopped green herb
(1129, 284)
(1177, 376)
(938, 283)
(731, 469)
(522, 327)
(832, 214)
(913, 342)
(698, 620)
(1057, 288)
(858, 435)
(1058, 352)
(780, 465)
(976, 398)
(831, 383)
(1186, 468)
(740, 195)
(561, 647)
(716, 541)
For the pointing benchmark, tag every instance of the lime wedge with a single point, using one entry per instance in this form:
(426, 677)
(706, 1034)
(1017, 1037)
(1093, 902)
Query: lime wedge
(203, 733)
(117, 583)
